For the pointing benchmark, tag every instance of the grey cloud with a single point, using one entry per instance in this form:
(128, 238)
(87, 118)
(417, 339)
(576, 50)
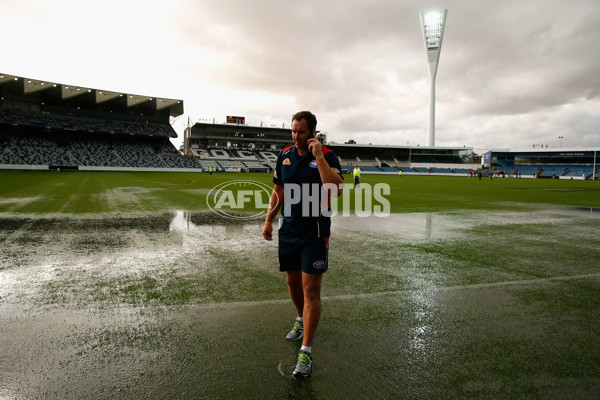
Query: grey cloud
(504, 65)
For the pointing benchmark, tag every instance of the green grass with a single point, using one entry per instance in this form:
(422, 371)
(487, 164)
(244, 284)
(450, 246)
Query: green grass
(450, 261)
(121, 192)
(485, 289)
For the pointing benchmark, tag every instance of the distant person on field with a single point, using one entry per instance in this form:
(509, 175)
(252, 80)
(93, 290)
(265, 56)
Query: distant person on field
(303, 239)
(356, 173)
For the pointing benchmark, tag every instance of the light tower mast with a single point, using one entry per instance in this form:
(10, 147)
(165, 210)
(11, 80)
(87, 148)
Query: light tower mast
(432, 24)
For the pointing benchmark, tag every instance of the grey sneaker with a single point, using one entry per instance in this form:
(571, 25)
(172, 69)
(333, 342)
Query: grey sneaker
(304, 365)
(296, 332)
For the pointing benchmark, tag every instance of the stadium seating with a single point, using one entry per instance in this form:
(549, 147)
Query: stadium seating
(80, 124)
(42, 151)
(405, 169)
(94, 153)
(6, 155)
(257, 166)
(172, 157)
(421, 170)
(547, 171)
(232, 165)
(462, 170)
(436, 170)
(86, 140)
(27, 146)
(140, 155)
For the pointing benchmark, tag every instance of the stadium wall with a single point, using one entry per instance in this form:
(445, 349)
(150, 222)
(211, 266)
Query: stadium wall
(21, 167)
(24, 167)
(137, 169)
(450, 166)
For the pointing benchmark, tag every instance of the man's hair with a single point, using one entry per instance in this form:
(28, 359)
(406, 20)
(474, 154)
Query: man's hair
(310, 118)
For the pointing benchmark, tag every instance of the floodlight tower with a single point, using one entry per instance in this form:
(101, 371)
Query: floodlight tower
(432, 25)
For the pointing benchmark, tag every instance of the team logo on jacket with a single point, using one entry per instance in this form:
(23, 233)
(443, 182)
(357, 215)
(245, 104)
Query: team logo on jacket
(287, 161)
(319, 264)
(313, 164)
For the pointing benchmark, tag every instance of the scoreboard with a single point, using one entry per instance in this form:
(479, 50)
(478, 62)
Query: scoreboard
(236, 120)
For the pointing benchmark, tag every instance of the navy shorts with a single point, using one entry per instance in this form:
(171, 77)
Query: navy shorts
(309, 255)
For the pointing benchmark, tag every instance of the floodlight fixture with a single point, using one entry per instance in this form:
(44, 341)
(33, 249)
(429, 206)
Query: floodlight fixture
(432, 24)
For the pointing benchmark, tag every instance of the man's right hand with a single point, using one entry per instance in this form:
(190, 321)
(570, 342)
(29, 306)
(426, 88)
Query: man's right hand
(268, 231)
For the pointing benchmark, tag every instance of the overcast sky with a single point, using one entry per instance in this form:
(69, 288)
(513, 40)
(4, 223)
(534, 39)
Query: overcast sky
(512, 73)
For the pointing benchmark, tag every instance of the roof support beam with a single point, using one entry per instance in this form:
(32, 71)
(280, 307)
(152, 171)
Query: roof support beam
(103, 96)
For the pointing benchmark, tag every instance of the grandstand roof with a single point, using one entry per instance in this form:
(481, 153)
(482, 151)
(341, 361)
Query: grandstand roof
(548, 150)
(125, 101)
(390, 146)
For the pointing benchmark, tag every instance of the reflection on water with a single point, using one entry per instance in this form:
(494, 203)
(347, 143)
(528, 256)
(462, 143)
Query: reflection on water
(38, 249)
(180, 221)
(184, 221)
(37, 253)
(411, 226)
(113, 242)
(433, 226)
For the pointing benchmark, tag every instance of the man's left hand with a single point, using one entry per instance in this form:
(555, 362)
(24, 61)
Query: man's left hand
(315, 147)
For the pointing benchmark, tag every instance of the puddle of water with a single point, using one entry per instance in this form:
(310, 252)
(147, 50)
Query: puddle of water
(141, 305)
(18, 200)
(408, 227)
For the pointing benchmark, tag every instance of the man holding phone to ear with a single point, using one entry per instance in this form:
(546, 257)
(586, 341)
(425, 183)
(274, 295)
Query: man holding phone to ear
(304, 239)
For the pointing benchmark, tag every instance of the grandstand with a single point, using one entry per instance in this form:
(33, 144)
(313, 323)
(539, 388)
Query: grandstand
(379, 159)
(46, 125)
(569, 163)
(238, 146)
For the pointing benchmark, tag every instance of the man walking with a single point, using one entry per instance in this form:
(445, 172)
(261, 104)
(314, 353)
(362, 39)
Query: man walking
(356, 173)
(300, 173)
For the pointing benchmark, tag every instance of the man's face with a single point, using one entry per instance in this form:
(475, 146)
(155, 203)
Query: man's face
(300, 134)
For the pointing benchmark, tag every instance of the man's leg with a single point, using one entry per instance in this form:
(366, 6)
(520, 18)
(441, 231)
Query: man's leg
(294, 282)
(311, 284)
